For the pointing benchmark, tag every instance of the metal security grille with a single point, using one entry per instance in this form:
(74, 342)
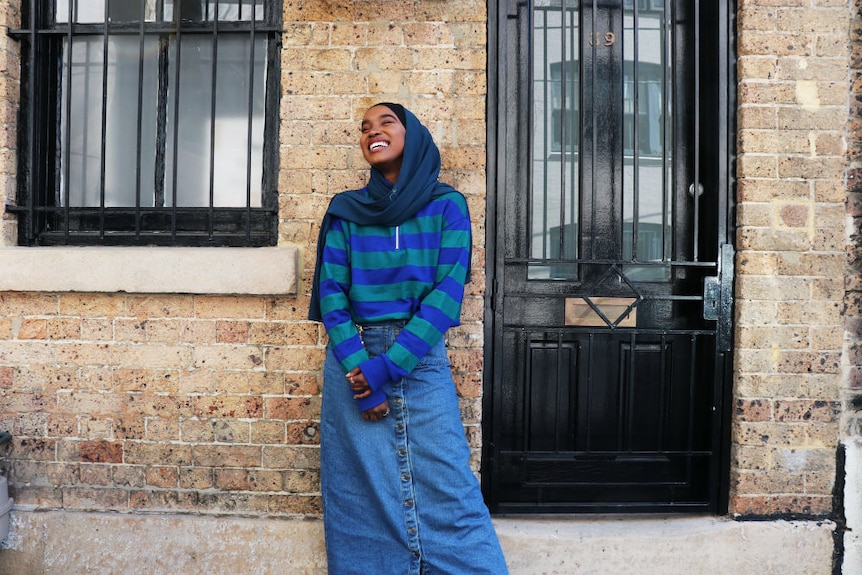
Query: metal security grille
(149, 122)
(611, 308)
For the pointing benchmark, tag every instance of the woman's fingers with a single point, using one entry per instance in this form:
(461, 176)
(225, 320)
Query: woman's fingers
(357, 382)
(377, 413)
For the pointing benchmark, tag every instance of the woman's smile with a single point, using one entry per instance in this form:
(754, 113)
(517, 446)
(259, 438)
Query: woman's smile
(378, 145)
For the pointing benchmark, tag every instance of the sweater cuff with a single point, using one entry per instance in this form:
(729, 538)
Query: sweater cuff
(376, 372)
(373, 400)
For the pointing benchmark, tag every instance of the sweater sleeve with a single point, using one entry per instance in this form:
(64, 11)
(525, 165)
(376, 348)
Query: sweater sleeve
(344, 337)
(439, 309)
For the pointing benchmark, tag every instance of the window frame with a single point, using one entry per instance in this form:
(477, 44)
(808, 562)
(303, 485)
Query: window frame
(43, 219)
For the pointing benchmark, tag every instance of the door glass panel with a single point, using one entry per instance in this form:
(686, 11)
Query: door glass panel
(647, 145)
(556, 127)
(559, 110)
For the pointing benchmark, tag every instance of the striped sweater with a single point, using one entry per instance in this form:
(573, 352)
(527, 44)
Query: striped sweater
(413, 272)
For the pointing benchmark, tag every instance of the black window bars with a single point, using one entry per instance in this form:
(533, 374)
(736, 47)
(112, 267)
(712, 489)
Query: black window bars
(149, 122)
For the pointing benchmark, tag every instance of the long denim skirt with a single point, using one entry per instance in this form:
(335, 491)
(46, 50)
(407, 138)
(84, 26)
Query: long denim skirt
(399, 497)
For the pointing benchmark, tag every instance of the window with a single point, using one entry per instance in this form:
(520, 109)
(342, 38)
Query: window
(149, 122)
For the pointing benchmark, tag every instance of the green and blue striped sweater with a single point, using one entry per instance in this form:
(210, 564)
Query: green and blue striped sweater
(414, 272)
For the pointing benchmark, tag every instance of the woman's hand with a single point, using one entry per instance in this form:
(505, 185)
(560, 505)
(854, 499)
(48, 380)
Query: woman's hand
(376, 413)
(358, 383)
(361, 390)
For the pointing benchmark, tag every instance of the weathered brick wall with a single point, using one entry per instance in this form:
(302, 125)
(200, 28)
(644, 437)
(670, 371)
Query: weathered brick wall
(793, 67)
(853, 336)
(203, 404)
(175, 402)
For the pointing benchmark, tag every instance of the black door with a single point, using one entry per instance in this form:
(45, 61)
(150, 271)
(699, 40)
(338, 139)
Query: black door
(611, 267)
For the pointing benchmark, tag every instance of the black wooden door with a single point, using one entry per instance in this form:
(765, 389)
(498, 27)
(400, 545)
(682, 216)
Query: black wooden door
(609, 308)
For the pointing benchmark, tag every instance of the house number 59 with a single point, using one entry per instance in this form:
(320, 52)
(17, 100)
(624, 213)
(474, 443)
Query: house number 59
(606, 39)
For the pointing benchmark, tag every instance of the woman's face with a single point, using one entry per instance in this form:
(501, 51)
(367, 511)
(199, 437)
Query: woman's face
(382, 141)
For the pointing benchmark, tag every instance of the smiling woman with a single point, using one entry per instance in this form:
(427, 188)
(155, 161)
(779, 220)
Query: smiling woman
(392, 262)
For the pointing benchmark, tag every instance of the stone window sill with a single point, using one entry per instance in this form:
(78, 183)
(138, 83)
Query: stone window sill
(219, 271)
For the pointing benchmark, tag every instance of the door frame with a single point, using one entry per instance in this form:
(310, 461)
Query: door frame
(721, 151)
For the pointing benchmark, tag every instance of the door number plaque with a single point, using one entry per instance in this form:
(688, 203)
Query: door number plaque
(579, 312)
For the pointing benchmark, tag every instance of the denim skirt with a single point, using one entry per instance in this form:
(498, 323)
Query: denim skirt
(399, 497)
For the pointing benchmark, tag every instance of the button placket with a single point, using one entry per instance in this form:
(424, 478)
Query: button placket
(398, 411)
(411, 523)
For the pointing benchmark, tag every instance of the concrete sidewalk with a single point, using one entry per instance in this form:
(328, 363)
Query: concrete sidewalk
(75, 543)
(666, 546)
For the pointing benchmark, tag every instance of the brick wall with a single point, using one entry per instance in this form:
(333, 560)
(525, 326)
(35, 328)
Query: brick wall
(204, 404)
(791, 254)
(853, 304)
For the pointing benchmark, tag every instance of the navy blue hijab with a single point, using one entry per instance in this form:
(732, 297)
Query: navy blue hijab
(385, 204)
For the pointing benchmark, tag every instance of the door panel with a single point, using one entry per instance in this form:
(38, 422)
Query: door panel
(624, 411)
